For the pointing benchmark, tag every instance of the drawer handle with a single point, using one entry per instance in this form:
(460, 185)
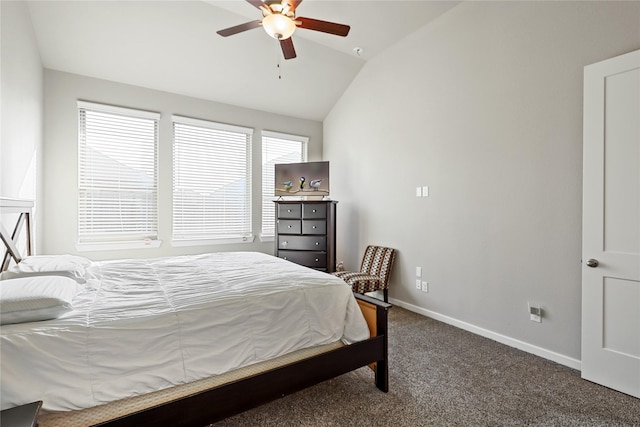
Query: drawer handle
(317, 243)
(284, 243)
(314, 211)
(314, 227)
(288, 226)
(288, 210)
(284, 257)
(317, 260)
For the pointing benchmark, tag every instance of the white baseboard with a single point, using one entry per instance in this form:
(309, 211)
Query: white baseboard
(503, 339)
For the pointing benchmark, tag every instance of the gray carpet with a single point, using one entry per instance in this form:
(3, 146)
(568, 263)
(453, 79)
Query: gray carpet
(444, 376)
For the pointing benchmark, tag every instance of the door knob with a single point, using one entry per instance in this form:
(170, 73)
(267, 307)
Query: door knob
(593, 263)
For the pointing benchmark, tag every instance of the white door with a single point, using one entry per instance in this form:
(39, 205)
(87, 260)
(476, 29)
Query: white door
(611, 224)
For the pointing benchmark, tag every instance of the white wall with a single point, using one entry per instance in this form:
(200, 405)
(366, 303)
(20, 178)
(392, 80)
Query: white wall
(63, 90)
(21, 91)
(485, 107)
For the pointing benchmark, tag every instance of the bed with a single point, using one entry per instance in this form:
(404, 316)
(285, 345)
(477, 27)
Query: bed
(276, 328)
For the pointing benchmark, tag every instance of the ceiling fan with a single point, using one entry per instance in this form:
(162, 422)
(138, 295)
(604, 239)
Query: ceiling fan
(279, 21)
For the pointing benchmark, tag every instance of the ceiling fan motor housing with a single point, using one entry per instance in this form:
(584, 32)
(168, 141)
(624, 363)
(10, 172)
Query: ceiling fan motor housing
(284, 8)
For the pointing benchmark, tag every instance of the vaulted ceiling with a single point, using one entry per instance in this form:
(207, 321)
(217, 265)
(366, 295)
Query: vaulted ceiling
(173, 46)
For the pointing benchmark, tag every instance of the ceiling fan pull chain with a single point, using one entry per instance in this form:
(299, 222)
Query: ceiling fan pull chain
(278, 64)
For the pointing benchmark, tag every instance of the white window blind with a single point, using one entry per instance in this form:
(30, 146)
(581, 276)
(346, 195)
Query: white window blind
(277, 148)
(117, 174)
(211, 181)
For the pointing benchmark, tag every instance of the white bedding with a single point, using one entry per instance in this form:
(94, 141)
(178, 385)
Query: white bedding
(145, 325)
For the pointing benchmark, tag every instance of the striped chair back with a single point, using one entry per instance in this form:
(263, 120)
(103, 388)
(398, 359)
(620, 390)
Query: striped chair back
(377, 261)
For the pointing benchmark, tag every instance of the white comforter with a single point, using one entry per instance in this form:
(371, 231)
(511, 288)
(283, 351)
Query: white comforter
(144, 325)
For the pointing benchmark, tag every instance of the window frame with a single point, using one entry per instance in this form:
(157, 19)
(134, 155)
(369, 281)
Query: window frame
(124, 240)
(242, 237)
(267, 185)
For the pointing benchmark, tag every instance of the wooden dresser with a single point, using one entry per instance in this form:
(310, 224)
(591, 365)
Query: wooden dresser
(306, 233)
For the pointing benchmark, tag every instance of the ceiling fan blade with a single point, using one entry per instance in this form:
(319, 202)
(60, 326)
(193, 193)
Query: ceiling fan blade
(265, 8)
(323, 26)
(239, 28)
(256, 3)
(287, 48)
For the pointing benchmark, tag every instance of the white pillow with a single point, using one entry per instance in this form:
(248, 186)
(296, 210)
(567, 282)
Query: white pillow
(31, 299)
(50, 265)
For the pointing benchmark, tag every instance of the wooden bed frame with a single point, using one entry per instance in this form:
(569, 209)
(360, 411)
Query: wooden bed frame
(232, 398)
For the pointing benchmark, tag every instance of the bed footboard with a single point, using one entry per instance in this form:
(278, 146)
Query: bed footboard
(238, 396)
(376, 314)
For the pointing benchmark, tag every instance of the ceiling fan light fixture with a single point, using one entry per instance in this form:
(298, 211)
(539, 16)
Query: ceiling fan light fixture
(278, 26)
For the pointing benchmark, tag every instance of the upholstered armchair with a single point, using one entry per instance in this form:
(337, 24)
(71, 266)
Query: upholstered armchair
(374, 271)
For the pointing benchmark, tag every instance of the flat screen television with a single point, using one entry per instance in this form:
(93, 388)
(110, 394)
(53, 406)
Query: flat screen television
(302, 179)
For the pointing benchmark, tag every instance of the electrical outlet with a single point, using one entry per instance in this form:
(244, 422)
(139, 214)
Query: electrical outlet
(425, 287)
(418, 284)
(418, 271)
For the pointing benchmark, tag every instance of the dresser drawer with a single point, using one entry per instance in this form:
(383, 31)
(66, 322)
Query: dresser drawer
(314, 210)
(289, 226)
(308, 259)
(314, 227)
(289, 210)
(297, 243)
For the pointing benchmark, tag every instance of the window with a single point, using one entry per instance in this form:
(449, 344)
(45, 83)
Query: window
(211, 182)
(117, 178)
(277, 148)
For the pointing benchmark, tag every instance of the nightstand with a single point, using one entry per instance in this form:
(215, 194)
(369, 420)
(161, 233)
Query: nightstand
(21, 416)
